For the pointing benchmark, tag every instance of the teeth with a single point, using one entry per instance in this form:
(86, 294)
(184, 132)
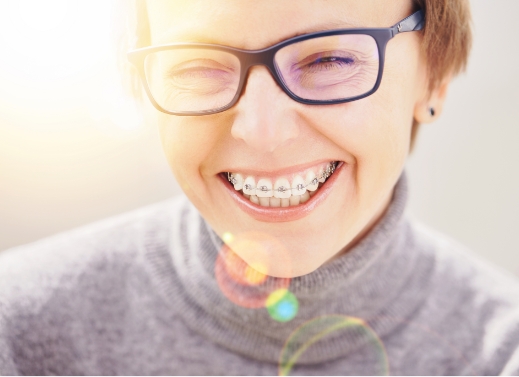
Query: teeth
(238, 181)
(249, 186)
(312, 180)
(298, 185)
(282, 194)
(275, 202)
(264, 188)
(321, 175)
(282, 189)
(294, 200)
(264, 202)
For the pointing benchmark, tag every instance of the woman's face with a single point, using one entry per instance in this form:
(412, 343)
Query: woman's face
(269, 136)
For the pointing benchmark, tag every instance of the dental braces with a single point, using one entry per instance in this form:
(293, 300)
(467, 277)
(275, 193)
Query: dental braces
(326, 173)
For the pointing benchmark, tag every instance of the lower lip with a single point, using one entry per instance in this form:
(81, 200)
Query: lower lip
(283, 214)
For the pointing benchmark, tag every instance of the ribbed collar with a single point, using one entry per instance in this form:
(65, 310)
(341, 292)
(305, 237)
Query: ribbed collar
(380, 279)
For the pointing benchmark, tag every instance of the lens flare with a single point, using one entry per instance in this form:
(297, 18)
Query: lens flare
(282, 305)
(365, 343)
(262, 251)
(241, 283)
(252, 274)
(227, 237)
(240, 271)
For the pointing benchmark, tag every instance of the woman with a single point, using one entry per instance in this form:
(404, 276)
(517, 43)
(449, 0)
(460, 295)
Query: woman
(288, 128)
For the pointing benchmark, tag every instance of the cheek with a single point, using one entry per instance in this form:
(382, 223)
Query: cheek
(176, 138)
(373, 131)
(187, 142)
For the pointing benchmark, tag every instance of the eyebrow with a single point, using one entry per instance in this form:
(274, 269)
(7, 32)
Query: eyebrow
(195, 36)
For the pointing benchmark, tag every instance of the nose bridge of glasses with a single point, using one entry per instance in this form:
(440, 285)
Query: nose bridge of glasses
(250, 59)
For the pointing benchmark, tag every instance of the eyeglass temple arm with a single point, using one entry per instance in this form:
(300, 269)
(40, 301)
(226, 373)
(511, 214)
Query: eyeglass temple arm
(414, 22)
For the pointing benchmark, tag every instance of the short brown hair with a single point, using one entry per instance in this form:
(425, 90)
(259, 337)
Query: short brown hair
(447, 38)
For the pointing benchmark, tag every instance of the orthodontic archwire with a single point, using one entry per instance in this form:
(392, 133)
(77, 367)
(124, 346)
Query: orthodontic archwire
(327, 172)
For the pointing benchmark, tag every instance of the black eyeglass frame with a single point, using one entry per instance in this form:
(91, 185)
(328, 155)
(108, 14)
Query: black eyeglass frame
(249, 58)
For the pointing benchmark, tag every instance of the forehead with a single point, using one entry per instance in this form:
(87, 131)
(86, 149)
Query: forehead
(253, 24)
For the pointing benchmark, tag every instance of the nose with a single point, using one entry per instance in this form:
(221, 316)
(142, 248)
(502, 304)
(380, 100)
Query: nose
(264, 116)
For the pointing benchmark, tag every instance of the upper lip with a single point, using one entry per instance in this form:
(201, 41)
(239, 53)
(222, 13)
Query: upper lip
(277, 172)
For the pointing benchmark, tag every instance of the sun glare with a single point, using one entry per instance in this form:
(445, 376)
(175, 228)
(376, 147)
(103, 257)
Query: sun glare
(52, 39)
(57, 58)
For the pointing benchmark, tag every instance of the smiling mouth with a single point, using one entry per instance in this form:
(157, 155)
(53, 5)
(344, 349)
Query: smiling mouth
(282, 191)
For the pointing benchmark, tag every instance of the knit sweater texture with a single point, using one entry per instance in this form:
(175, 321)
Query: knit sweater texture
(137, 294)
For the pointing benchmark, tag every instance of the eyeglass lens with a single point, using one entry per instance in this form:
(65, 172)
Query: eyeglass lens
(321, 69)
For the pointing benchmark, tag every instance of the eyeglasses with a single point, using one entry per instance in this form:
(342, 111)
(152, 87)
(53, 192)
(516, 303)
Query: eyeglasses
(327, 67)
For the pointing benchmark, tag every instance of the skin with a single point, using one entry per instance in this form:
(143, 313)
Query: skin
(267, 129)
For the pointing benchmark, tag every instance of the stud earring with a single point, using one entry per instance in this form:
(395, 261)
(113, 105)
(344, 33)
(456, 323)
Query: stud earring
(431, 111)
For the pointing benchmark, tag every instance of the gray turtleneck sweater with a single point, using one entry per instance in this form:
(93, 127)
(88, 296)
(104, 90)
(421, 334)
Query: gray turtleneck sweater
(137, 294)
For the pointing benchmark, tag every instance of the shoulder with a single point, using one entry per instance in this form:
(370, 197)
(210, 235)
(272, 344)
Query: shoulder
(31, 272)
(458, 265)
(473, 304)
(61, 294)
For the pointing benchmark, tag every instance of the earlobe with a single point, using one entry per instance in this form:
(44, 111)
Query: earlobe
(426, 112)
(428, 109)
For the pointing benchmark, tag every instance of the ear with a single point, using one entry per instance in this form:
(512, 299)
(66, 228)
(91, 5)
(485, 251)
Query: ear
(430, 107)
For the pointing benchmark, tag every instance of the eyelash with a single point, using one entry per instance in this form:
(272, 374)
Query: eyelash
(326, 63)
